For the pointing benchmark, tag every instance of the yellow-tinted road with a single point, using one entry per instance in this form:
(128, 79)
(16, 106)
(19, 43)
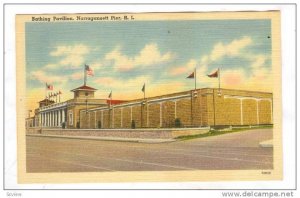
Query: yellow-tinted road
(234, 151)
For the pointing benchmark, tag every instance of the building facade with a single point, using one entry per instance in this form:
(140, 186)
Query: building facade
(196, 108)
(66, 114)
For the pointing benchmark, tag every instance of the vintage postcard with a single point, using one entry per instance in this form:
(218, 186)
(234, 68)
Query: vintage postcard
(139, 97)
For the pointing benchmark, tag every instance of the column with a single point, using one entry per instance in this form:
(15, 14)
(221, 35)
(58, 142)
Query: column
(49, 119)
(51, 123)
(59, 117)
(66, 116)
(63, 115)
(44, 119)
(49, 115)
(61, 120)
(43, 124)
(40, 119)
(54, 118)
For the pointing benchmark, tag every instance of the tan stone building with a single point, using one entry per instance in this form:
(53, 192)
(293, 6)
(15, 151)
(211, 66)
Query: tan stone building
(51, 114)
(196, 108)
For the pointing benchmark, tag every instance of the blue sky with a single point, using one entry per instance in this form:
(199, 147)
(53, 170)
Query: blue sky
(124, 55)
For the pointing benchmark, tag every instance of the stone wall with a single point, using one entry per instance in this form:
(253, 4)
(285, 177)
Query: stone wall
(205, 107)
(125, 133)
(33, 130)
(234, 107)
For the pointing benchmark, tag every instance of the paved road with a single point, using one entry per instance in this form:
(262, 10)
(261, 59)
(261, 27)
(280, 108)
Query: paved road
(232, 151)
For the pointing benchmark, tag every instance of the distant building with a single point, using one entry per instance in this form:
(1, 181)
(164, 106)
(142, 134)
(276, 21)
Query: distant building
(29, 122)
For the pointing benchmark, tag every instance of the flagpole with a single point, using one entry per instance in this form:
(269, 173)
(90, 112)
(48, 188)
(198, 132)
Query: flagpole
(110, 99)
(46, 95)
(84, 70)
(195, 78)
(144, 91)
(110, 113)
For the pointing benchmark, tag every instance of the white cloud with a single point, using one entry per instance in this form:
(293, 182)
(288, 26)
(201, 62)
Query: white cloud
(149, 55)
(259, 61)
(71, 56)
(218, 52)
(51, 66)
(255, 76)
(185, 69)
(114, 83)
(66, 50)
(96, 65)
(131, 89)
(77, 75)
(73, 61)
(46, 78)
(232, 49)
(233, 77)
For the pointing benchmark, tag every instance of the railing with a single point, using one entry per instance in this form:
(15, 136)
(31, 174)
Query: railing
(53, 106)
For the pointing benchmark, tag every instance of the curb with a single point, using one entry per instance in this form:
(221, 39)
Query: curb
(137, 140)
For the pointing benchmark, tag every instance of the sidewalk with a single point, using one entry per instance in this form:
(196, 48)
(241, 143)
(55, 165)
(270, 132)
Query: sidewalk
(267, 143)
(151, 141)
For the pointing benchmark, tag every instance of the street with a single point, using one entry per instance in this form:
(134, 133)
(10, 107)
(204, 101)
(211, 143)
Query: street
(233, 151)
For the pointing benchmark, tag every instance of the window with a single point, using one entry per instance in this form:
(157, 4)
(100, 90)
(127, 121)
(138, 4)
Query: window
(70, 117)
(86, 93)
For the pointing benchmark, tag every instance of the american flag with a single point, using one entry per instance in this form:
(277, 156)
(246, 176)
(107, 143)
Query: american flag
(89, 70)
(49, 87)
